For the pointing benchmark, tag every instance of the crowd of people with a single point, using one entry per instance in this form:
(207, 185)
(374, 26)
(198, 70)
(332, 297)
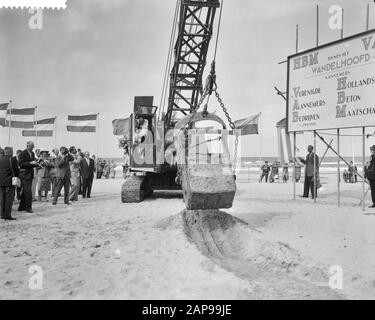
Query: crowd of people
(271, 173)
(32, 175)
(311, 183)
(105, 169)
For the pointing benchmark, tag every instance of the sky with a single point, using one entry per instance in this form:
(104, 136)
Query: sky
(95, 56)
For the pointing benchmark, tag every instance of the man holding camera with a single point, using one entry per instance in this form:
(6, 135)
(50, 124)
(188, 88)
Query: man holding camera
(27, 163)
(62, 175)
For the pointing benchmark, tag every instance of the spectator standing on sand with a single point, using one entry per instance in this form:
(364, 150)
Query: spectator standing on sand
(75, 174)
(87, 172)
(274, 172)
(265, 169)
(52, 172)
(106, 169)
(18, 189)
(44, 177)
(99, 168)
(371, 175)
(285, 172)
(345, 176)
(27, 163)
(297, 171)
(351, 172)
(62, 175)
(8, 170)
(366, 170)
(113, 169)
(310, 180)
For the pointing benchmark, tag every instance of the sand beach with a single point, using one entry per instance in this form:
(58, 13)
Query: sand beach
(267, 246)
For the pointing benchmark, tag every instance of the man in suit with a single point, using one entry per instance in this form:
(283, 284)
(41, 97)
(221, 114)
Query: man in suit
(371, 175)
(310, 181)
(62, 167)
(27, 163)
(87, 174)
(8, 170)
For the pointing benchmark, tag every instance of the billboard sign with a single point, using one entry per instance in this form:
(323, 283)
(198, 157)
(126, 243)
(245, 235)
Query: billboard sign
(333, 86)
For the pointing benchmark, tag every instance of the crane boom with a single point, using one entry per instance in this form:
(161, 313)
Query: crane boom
(196, 19)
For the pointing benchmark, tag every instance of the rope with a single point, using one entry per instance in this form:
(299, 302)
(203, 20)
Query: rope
(169, 58)
(218, 29)
(347, 135)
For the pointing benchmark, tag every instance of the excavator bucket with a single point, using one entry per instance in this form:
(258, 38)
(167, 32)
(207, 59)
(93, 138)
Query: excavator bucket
(206, 177)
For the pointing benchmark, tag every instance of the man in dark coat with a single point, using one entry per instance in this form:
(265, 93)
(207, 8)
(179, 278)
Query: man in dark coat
(310, 180)
(62, 175)
(265, 169)
(87, 173)
(8, 170)
(371, 175)
(27, 163)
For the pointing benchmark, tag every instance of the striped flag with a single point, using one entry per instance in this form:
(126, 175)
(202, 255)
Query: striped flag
(42, 128)
(82, 123)
(248, 125)
(3, 113)
(20, 118)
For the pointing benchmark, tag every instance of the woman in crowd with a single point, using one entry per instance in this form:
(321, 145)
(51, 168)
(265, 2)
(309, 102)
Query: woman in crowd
(75, 178)
(99, 168)
(113, 169)
(106, 169)
(285, 172)
(44, 176)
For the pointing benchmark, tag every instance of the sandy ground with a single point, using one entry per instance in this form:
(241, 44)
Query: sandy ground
(266, 246)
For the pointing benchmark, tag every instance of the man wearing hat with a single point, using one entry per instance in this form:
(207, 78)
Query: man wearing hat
(371, 175)
(310, 181)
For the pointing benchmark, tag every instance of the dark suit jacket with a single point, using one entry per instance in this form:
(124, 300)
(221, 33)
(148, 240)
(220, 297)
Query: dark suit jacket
(6, 173)
(87, 171)
(62, 166)
(27, 169)
(309, 164)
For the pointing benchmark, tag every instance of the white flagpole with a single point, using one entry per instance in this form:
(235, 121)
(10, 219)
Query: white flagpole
(9, 122)
(97, 136)
(36, 126)
(260, 136)
(55, 132)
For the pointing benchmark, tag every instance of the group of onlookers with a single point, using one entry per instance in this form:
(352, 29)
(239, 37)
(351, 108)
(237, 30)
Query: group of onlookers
(350, 175)
(311, 182)
(270, 173)
(31, 175)
(105, 169)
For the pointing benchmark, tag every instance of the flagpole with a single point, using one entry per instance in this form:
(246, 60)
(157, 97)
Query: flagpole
(97, 137)
(55, 132)
(260, 137)
(10, 121)
(36, 126)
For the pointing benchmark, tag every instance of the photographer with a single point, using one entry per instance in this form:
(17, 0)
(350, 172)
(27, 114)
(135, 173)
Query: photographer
(62, 174)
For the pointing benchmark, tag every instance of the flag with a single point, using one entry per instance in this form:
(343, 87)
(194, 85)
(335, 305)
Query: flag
(121, 126)
(20, 118)
(248, 125)
(3, 113)
(82, 123)
(42, 128)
